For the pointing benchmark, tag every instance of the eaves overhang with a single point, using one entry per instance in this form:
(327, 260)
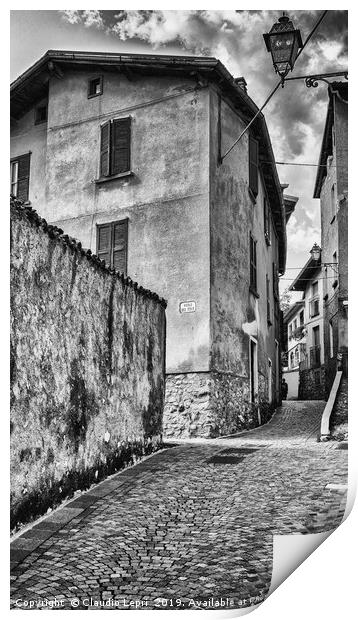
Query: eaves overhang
(306, 275)
(32, 86)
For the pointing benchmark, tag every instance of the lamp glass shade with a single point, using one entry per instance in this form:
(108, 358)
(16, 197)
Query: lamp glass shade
(283, 41)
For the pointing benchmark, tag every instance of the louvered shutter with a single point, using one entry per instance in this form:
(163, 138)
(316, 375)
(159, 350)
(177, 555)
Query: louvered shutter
(121, 141)
(23, 177)
(104, 243)
(253, 164)
(120, 243)
(105, 149)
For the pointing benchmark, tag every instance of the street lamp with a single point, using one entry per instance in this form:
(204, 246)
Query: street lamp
(283, 41)
(316, 252)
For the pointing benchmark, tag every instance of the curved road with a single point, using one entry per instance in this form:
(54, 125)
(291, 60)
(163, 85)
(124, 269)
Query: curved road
(190, 527)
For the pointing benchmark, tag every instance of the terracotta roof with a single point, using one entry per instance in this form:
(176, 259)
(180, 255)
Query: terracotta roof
(76, 246)
(32, 85)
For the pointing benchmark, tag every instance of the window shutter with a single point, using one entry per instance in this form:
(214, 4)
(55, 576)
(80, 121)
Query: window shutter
(104, 243)
(253, 164)
(105, 149)
(23, 177)
(120, 243)
(121, 141)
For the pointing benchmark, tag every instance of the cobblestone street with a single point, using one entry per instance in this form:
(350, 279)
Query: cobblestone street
(193, 522)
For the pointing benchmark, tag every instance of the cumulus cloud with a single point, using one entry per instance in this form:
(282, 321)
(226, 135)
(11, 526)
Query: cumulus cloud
(86, 18)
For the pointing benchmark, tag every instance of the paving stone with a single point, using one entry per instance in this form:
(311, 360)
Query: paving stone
(181, 527)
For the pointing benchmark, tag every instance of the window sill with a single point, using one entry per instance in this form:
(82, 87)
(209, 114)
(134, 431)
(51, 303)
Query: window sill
(254, 292)
(121, 175)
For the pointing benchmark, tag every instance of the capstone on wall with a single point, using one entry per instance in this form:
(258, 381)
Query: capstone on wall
(87, 367)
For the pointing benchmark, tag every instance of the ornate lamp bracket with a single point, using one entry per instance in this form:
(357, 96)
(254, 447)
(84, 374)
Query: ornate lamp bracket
(312, 81)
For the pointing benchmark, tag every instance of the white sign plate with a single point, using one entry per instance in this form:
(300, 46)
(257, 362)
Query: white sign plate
(187, 306)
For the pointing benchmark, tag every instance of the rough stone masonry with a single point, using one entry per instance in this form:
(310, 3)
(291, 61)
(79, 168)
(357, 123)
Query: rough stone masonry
(87, 367)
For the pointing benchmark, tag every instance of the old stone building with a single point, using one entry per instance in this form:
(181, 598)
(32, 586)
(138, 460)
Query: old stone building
(310, 331)
(332, 189)
(125, 153)
(294, 345)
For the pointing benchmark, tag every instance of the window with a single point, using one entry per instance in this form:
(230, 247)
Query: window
(267, 223)
(115, 147)
(295, 324)
(95, 86)
(253, 165)
(314, 289)
(333, 201)
(112, 244)
(253, 265)
(314, 307)
(41, 114)
(275, 282)
(268, 305)
(20, 176)
(302, 318)
(290, 330)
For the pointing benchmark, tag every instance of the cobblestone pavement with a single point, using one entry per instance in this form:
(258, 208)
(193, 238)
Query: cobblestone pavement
(178, 530)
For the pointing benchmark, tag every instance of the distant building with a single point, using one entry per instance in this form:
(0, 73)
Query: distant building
(332, 189)
(311, 365)
(294, 346)
(124, 152)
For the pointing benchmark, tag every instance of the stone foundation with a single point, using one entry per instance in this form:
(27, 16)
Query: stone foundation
(208, 404)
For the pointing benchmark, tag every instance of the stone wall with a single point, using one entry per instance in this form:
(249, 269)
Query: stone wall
(87, 367)
(312, 384)
(207, 405)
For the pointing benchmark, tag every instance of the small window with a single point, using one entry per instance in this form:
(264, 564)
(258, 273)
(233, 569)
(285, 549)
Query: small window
(302, 317)
(253, 165)
(112, 244)
(95, 86)
(275, 282)
(268, 304)
(40, 114)
(115, 147)
(253, 265)
(333, 201)
(314, 289)
(267, 222)
(20, 177)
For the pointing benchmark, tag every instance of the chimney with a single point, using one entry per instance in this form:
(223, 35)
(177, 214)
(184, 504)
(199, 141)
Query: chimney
(240, 81)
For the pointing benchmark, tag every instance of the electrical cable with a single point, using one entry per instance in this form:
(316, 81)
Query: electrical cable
(274, 90)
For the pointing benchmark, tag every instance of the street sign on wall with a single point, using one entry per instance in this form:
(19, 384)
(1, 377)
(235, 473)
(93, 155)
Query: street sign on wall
(187, 306)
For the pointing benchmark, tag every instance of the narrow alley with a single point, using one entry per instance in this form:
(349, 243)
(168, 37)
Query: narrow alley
(191, 523)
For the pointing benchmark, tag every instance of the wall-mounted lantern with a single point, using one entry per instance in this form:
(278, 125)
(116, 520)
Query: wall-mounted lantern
(316, 252)
(283, 41)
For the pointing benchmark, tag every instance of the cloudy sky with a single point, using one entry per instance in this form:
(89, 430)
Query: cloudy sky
(296, 114)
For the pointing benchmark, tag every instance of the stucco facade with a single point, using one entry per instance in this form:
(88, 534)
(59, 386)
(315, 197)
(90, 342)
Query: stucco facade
(332, 190)
(189, 219)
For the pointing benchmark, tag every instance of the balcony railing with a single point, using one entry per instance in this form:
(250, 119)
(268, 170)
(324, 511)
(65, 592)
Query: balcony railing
(315, 356)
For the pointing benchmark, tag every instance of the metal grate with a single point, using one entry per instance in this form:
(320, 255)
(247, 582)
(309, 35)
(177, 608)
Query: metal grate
(230, 456)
